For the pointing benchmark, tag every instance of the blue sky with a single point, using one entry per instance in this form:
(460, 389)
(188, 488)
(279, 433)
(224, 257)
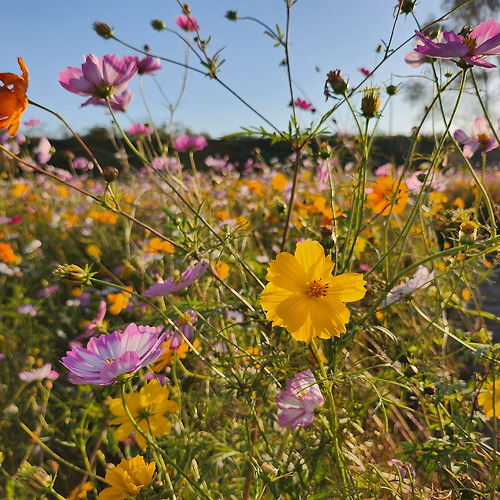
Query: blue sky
(325, 35)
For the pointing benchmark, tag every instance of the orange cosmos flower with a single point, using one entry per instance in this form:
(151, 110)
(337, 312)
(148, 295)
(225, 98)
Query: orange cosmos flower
(13, 100)
(382, 193)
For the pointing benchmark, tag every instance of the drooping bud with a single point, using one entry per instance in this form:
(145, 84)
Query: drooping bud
(370, 102)
(109, 174)
(103, 30)
(158, 25)
(335, 83)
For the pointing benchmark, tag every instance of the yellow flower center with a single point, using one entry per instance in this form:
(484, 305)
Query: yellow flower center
(470, 42)
(317, 289)
(303, 393)
(178, 280)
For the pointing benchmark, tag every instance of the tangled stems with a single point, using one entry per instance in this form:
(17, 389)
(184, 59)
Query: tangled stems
(195, 212)
(160, 455)
(332, 426)
(75, 135)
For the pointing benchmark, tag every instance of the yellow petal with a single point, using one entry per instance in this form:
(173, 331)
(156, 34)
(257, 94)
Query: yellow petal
(328, 317)
(347, 287)
(311, 257)
(286, 272)
(270, 298)
(294, 311)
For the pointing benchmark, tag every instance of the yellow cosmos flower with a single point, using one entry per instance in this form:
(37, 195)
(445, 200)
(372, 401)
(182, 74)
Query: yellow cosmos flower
(118, 301)
(485, 399)
(128, 479)
(157, 245)
(304, 297)
(148, 407)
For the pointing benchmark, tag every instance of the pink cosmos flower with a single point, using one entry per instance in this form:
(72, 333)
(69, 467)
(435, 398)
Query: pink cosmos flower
(147, 65)
(32, 123)
(422, 278)
(108, 357)
(299, 400)
(184, 326)
(43, 150)
(190, 143)
(139, 129)
(81, 163)
(187, 23)
(38, 374)
(178, 283)
(481, 140)
(99, 78)
(469, 49)
(301, 103)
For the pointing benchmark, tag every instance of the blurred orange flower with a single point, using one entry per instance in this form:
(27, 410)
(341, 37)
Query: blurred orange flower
(118, 301)
(13, 100)
(383, 192)
(6, 253)
(157, 245)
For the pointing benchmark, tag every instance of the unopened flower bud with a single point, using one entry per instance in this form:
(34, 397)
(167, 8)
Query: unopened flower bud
(232, 15)
(73, 275)
(337, 83)
(468, 232)
(325, 151)
(110, 173)
(407, 6)
(35, 479)
(391, 89)
(269, 469)
(158, 25)
(147, 48)
(186, 8)
(103, 30)
(370, 102)
(327, 236)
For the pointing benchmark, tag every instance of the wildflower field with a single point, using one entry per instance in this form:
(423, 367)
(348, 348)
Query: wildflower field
(182, 326)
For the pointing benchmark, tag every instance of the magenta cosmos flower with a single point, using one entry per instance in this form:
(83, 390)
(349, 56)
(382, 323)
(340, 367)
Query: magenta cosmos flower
(185, 325)
(139, 129)
(187, 23)
(102, 78)
(190, 143)
(481, 140)
(39, 373)
(147, 65)
(108, 357)
(469, 48)
(177, 283)
(299, 400)
(305, 105)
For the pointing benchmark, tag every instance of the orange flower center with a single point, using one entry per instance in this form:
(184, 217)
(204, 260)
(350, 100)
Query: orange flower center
(483, 139)
(317, 289)
(470, 42)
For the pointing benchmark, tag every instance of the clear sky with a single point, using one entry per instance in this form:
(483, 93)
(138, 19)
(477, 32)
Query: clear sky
(325, 35)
